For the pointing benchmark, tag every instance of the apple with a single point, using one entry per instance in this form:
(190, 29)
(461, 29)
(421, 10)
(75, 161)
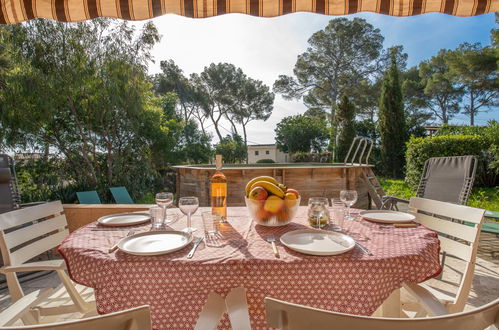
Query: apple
(293, 191)
(258, 193)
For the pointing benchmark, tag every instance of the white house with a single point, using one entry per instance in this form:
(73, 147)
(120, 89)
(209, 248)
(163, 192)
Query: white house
(266, 151)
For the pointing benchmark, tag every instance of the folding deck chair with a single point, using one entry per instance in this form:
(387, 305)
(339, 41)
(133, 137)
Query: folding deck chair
(445, 179)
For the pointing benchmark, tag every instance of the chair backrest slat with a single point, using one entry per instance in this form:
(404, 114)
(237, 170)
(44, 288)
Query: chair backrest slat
(138, 318)
(451, 247)
(29, 214)
(444, 209)
(285, 315)
(32, 250)
(464, 232)
(25, 234)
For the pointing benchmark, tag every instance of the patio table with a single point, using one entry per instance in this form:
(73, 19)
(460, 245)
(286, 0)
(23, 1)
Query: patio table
(176, 288)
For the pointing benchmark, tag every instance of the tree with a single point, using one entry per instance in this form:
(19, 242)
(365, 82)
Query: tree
(441, 96)
(301, 133)
(474, 70)
(84, 93)
(232, 149)
(346, 126)
(392, 123)
(253, 101)
(217, 85)
(338, 57)
(172, 79)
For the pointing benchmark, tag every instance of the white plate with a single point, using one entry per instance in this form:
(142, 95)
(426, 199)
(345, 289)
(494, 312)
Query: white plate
(124, 219)
(153, 243)
(318, 242)
(385, 216)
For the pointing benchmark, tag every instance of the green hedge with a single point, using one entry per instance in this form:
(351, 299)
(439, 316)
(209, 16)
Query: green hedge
(420, 149)
(265, 161)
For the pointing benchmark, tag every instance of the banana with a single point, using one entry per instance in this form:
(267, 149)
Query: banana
(270, 187)
(259, 178)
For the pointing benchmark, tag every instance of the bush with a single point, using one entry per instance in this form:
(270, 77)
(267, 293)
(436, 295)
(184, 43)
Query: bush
(309, 157)
(265, 161)
(421, 149)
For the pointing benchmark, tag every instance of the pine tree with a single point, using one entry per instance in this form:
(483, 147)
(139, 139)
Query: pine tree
(392, 123)
(345, 115)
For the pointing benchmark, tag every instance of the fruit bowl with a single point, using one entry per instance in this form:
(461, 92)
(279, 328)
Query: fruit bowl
(282, 211)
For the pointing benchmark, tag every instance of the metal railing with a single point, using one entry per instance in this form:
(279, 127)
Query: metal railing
(358, 143)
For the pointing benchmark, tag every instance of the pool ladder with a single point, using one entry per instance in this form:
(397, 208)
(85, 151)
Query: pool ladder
(358, 143)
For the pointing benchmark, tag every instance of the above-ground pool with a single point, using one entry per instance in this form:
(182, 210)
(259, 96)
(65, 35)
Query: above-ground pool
(310, 179)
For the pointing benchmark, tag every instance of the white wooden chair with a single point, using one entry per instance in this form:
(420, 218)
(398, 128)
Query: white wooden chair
(285, 315)
(138, 318)
(459, 228)
(26, 233)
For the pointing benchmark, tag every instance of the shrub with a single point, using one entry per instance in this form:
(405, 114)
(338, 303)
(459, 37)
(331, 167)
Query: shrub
(421, 149)
(310, 157)
(265, 161)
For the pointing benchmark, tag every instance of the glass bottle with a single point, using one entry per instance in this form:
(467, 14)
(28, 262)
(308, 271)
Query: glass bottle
(219, 191)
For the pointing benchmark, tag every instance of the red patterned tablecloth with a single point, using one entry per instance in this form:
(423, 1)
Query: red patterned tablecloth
(176, 288)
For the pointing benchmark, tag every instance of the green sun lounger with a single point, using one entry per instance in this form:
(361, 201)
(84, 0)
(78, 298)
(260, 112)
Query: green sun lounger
(88, 197)
(121, 195)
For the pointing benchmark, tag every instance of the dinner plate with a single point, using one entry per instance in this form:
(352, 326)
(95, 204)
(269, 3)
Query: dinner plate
(153, 243)
(385, 216)
(318, 242)
(124, 219)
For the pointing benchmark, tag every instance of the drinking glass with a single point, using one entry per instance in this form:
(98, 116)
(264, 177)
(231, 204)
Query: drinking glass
(188, 206)
(348, 197)
(164, 200)
(338, 213)
(210, 222)
(318, 213)
(156, 217)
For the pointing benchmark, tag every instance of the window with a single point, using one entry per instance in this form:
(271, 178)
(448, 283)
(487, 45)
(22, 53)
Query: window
(267, 152)
(256, 152)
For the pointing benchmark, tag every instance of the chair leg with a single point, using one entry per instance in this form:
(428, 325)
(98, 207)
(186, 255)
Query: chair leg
(15, 290)
(391, 306)
(80, 304)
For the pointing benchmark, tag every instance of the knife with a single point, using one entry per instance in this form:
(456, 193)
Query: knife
(196, 244)
(363, 248)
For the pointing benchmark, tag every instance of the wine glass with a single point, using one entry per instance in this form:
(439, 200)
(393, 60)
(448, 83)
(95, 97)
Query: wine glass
(188, 206)
(348, 197)
(164, 200)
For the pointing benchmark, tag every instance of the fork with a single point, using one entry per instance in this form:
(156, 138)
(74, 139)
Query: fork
(271, 240)
(115, 246)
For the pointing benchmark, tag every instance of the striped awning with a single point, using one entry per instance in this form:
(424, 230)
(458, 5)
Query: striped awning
(14, 11)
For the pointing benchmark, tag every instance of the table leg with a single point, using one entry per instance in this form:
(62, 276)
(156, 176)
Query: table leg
(391, 306)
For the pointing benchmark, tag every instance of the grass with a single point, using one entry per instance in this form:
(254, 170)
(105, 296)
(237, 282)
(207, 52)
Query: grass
(483, 198)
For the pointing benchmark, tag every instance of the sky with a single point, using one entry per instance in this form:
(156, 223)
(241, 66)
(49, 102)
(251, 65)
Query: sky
(265, 48)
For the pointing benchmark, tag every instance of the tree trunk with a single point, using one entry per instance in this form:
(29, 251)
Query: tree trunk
(245, 141)
(472, 109)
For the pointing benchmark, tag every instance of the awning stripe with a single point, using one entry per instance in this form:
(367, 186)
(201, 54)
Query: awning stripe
(14, 11)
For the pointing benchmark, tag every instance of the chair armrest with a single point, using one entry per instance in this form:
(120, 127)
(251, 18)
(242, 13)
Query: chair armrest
(31, 204)
(21, 306)
(395, 199)
(427, 300)
(37, 265)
